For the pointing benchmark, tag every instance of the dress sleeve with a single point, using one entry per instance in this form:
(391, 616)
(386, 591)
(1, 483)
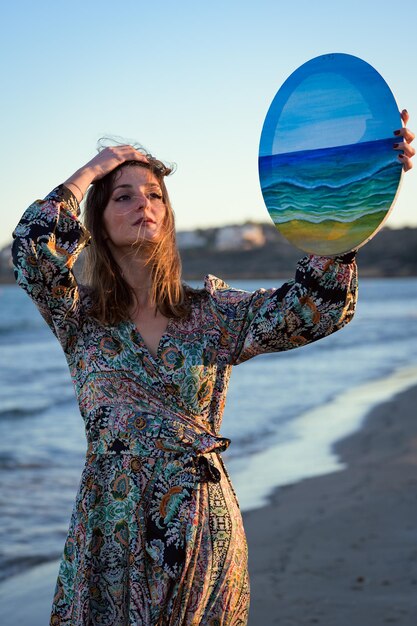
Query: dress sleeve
(318, 301)
(46, 244)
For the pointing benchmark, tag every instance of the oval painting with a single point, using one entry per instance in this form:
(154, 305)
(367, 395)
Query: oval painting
(328, 171)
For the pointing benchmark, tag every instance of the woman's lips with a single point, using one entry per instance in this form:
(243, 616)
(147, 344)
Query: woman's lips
(142, 219)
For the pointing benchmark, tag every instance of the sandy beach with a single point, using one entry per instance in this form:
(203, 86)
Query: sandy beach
(335, 550)
(341, 549)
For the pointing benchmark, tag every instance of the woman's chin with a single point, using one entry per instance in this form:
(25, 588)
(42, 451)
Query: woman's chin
(143, 242)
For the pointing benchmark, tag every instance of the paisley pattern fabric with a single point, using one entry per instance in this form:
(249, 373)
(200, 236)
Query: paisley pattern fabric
(156, 535)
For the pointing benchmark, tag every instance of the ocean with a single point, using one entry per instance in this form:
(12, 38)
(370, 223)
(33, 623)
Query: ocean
(284, 411)
(331, 196)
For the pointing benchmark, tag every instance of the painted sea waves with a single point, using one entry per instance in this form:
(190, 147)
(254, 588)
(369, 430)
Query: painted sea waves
(330, 200)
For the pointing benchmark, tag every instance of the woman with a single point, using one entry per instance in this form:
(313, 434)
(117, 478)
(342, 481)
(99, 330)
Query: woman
(156, 535)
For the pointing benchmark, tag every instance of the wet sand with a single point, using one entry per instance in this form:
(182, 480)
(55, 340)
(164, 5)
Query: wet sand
(341, 549)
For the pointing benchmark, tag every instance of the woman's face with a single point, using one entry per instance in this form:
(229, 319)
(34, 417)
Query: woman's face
(135, 210)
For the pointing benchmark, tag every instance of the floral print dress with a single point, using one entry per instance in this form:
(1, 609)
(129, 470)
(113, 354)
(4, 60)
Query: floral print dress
(156, 535)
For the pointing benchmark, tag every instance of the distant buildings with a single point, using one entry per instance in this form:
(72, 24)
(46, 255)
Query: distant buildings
(190, 239)
(237, 237)
(242, 237)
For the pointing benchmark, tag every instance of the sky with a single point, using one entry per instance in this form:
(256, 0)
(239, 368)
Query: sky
(190, 81)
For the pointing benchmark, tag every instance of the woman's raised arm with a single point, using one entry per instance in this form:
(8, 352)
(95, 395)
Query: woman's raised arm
(49, 238)
(319, 300)
(47, 242)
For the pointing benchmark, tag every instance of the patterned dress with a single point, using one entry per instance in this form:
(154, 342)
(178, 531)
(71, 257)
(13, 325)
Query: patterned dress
(156, 535)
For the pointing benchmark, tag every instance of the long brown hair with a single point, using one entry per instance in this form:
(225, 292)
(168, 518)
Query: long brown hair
(112, 297)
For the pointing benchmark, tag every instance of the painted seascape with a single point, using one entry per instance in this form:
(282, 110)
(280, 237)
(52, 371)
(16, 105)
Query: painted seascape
(331, 200)
(329, 174)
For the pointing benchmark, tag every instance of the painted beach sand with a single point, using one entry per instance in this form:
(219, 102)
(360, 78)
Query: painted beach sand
(328, 171)
(331, 200)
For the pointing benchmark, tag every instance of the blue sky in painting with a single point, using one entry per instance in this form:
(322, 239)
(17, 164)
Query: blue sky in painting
(330, 103)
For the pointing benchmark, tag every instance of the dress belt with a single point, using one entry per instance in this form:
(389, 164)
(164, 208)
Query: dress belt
(206, 471)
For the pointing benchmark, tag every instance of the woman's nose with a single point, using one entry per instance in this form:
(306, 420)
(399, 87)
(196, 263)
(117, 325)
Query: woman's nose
(141, 200)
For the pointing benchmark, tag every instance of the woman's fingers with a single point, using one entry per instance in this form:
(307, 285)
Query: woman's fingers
(130, 151)
(405, 116)
(406, 161)
(405, 137)
(406, 148)
(405, 133)
(122, 153)
(111, 157)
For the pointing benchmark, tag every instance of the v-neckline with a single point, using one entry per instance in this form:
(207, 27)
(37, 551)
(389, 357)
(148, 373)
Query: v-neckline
(141, 341)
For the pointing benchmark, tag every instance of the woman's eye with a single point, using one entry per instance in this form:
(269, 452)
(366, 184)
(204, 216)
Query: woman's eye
(126, 197)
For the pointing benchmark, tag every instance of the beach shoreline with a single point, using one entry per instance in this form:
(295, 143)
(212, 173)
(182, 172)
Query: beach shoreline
(306, 446)
(335, 550)
(340, 549)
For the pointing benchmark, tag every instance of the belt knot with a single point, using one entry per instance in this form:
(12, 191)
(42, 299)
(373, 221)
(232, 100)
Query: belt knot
(208, 472)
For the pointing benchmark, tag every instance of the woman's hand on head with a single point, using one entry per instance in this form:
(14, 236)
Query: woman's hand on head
(110, 158)
(405, 137)
(100, 165)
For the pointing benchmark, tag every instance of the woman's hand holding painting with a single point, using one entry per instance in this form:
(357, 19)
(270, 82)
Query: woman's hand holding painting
(404, 145)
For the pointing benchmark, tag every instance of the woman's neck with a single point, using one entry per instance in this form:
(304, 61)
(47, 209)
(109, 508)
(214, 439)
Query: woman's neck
(137, 275)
